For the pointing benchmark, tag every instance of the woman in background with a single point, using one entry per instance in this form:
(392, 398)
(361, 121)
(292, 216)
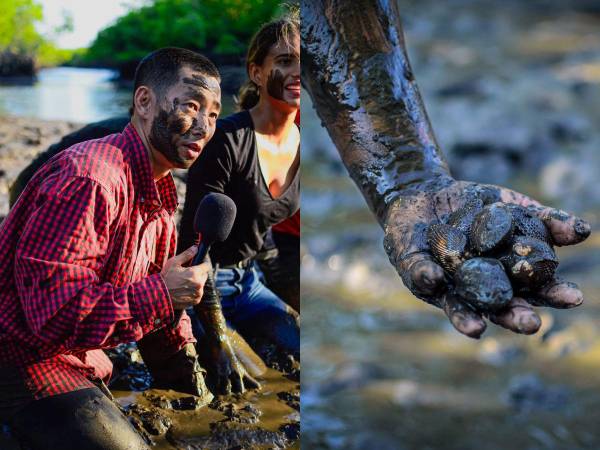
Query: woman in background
(254, 158)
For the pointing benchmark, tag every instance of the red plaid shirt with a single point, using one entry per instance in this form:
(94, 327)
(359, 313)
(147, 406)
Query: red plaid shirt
(80, 256)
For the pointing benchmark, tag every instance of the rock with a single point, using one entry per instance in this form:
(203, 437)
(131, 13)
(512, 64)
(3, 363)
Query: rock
(246, 413)
(291, 430)
(229, 435)
(292, 399)
(528, 392)
(159, 401)
(187, 403)
(153, 421)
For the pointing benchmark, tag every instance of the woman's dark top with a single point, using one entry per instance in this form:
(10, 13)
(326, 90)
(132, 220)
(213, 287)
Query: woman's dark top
(229, 164)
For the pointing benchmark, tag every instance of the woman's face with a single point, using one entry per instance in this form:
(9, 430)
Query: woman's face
(279, 75)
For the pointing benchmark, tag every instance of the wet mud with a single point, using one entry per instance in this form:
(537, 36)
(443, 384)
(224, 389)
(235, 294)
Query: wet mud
(256, 419)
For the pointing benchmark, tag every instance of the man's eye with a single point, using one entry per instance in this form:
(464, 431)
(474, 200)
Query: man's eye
(213, 115)
(191, 106)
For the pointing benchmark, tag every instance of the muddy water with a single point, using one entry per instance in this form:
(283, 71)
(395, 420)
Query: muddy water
(192, 428)
(383, 370)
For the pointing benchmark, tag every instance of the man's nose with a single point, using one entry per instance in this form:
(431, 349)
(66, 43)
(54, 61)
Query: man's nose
(200, 128)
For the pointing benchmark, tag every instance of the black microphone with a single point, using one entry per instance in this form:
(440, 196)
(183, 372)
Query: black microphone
(213, 221)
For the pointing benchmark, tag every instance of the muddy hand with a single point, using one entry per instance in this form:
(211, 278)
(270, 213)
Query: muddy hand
(230, 374)
(185, 284)
(407, 247)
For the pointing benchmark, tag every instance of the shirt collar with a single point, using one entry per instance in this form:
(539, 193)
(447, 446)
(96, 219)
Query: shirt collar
(161, 193)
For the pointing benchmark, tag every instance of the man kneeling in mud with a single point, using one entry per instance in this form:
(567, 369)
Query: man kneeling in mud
(87, 262)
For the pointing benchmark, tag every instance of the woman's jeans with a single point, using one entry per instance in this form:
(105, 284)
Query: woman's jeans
(255, 311)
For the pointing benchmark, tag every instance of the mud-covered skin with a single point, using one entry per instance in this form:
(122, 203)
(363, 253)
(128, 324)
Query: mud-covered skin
(407, 246)
(228, 374)
(275, 84)
(174, 124)
(166, 126)
(355, 67)
(356, 70)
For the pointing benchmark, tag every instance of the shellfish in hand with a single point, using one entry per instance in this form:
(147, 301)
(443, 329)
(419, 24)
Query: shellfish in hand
(437, 226)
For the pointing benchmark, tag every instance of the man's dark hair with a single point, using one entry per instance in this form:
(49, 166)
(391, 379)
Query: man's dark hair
(159, 70)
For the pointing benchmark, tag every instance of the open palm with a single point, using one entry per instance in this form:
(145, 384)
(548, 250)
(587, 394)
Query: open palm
(406, 244)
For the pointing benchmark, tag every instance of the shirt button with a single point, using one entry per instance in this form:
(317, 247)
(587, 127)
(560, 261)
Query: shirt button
(157, 322)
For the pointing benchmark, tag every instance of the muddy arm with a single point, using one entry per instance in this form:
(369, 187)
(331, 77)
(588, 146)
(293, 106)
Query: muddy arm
(356, 70)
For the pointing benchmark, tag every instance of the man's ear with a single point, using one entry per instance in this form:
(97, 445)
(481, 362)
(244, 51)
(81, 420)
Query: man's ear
(143, 102)
(255, 74)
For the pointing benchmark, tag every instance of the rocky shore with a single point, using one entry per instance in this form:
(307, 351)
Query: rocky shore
(21, 140)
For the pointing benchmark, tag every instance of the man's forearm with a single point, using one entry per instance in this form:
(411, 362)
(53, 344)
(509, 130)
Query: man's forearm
(356, 70)
(209, 311)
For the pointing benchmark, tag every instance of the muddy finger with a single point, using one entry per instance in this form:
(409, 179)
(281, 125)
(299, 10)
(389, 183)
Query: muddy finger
(237, 384)
(422, 275)
(462, 317)
(565, 228)
(518, 316)
(251, 383)
(560, 294)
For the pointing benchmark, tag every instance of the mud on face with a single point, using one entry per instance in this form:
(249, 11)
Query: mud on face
(275, 84)
(166, 127)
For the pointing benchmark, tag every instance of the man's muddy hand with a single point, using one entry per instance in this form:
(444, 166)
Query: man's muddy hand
(405, 242)
(185, 284)
(230, 374)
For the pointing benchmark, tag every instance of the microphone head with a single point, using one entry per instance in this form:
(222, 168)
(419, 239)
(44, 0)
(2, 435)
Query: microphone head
(214, 217)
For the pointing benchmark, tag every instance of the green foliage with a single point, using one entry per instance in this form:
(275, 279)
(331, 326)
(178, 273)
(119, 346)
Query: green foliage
(216, 28)
(49, 55)
(17, 26)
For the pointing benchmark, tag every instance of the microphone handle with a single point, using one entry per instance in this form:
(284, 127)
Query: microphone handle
(203, 249)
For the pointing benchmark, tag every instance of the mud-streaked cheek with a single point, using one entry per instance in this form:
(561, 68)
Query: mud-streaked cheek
(275, 84)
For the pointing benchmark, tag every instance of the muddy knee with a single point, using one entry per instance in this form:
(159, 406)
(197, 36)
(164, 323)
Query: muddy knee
(80, 419)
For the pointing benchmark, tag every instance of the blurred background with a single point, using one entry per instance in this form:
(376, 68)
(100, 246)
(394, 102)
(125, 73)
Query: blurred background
(513, 91)
(65, 63)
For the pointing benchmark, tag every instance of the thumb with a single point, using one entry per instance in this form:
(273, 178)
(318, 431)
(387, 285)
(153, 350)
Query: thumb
(185, 256)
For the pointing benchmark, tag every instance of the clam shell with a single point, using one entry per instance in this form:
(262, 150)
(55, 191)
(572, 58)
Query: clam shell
(491, 229)
(463, 217)
(483, 283)
(530, 263)
(527, 224)
(448, 245)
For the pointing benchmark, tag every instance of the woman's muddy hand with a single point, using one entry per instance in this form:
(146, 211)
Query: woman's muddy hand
(407, 247)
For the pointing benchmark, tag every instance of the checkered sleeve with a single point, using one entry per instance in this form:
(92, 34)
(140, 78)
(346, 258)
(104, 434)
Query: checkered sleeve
(58, 263)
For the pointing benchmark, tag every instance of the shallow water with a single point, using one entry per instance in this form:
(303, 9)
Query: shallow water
(73, 94)
(67, 93)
